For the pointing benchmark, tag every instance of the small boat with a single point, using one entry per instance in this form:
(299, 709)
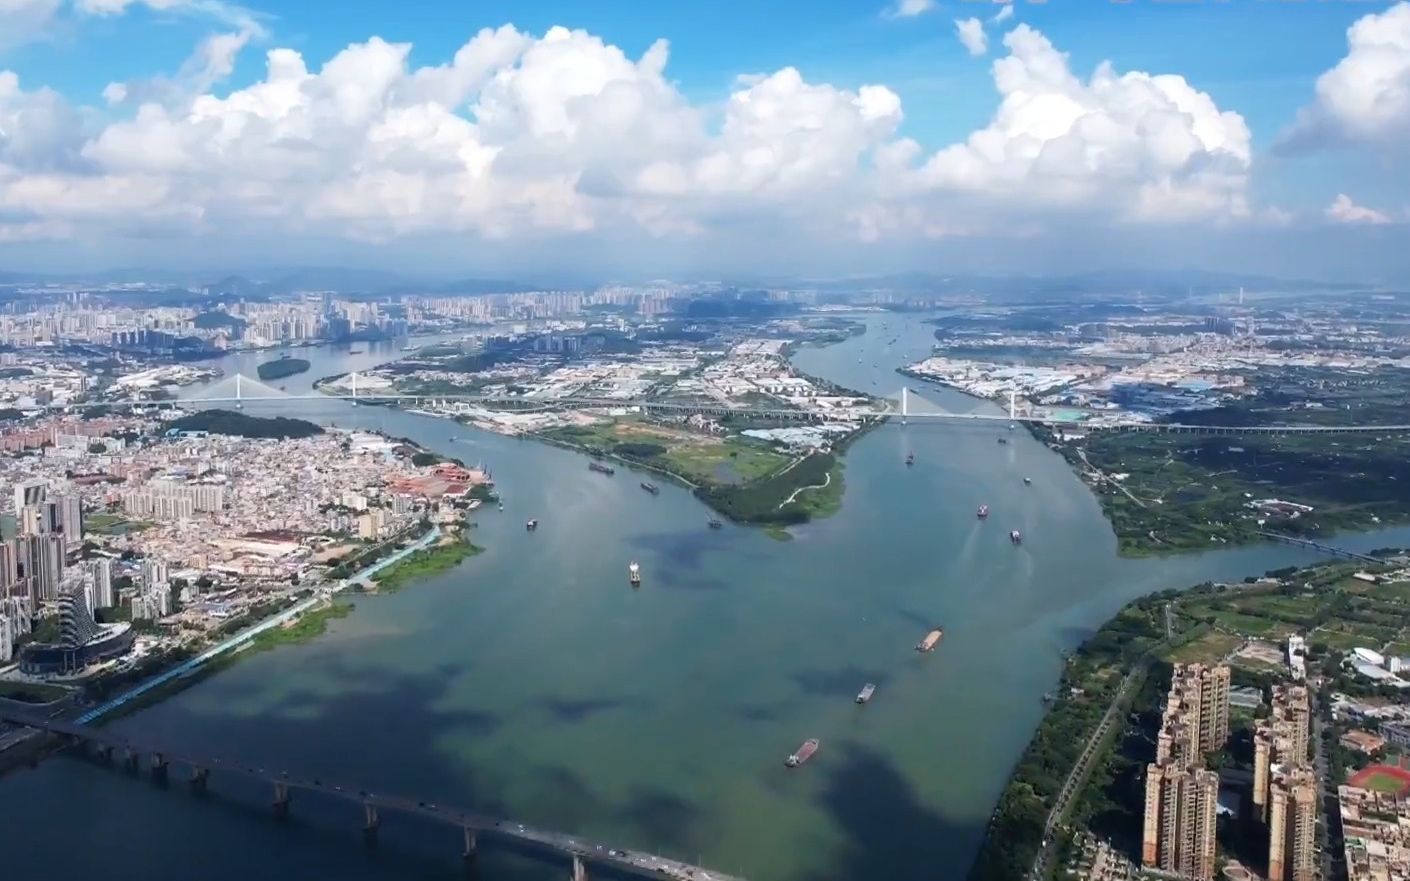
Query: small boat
(602, 469)
(634, 573)
(1012, 426)
(910, 458)
(865, 694)
(501, 506)
(650, 487)
(804, 753)
(1016, 537)
(715, 524)
(1027, 481)
(531, 525)
(1003, 440)
(983, 512)
(931, 640)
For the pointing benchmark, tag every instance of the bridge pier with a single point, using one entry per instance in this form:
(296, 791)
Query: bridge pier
(370, 823)
(131, 760)
(281, 800)
(579, 869)
(105, 752)
(159, 767)
(200, 779)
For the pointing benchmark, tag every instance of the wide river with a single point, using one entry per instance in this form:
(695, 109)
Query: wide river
(532, 682)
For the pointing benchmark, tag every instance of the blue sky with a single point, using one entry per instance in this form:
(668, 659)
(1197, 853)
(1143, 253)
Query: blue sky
(688, 158)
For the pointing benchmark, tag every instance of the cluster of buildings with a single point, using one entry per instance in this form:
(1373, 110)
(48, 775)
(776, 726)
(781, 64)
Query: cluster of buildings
(1179, 832)
(144, 530)
(1182, 796)
(1285, 787)
(1376, 829)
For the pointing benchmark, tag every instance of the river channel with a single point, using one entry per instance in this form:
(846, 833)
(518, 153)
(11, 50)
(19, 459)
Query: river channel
(532, 682)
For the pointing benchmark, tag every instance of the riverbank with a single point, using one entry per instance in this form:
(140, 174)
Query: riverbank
(1243, 625)
(434, 560)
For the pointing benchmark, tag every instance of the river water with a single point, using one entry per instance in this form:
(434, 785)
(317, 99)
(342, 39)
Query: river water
(533, 682)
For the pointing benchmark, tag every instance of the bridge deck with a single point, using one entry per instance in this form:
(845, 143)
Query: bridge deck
(619, 859)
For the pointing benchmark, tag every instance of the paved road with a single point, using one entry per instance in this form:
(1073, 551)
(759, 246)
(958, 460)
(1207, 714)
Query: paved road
(1077, 778)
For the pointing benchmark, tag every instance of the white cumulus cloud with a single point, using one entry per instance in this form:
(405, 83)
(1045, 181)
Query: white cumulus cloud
(23, 20)
(909, 8)
(1344, 210)
(1004, 14)
(971, 34)
(1140, 146)
(519, 135)
(1366, 96)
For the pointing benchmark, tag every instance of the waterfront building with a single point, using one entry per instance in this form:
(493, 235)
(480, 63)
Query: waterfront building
(81, 641)
(1199, 699)
(1179, 823)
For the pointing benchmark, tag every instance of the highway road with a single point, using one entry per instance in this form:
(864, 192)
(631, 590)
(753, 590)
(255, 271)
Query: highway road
(1077, 778)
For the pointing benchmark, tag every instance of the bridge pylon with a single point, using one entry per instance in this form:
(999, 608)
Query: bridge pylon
(370, 823)
(579, 869)
(281, 799)
(200, 779)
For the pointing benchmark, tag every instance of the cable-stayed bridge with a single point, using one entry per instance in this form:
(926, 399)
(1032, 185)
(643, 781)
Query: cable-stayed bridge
(903, 405)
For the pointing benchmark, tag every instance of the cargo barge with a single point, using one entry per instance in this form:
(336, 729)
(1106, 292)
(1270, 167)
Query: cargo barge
(931, 640)
(601, 469)
(804, 753)
(634, 573)
(650, 487)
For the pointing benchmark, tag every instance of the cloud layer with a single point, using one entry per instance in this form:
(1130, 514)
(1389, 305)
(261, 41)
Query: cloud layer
(563, 133)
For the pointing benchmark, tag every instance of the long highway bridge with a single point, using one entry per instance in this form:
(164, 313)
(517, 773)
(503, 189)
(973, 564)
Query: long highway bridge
(370, 806)
(240, 390)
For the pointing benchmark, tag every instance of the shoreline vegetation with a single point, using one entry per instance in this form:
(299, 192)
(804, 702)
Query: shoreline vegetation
(1334, 608)
(440, 557)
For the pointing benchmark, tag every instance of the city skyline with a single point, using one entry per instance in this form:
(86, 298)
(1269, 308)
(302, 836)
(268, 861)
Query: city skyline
(847, 138)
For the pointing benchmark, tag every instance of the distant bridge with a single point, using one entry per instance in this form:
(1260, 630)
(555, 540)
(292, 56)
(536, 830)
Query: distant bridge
(240, 389)
(371, 806)
(1318, 546)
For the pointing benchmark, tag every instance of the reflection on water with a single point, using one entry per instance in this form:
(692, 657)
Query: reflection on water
(533, 682)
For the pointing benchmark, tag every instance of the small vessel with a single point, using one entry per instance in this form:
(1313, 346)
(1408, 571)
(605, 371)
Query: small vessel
(983, 512)
(715, 524)
(650, 487)
(354, 351)
(531, 525)
(408, 348)
(501, 506)
(804, 753)
(865, 694)
(1027, 481)
(634, 573)
(1016, 537)
(1003, 440)
(931, 640)
(910, 458)
(1012, 426)
(601, 469)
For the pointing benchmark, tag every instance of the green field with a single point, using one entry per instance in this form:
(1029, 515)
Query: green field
(112, 524)
(1379, 781)
(698, 458)
(1214, 646)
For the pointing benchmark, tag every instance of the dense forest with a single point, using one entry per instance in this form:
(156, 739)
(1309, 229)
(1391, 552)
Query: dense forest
(240, 425)
(281, 367)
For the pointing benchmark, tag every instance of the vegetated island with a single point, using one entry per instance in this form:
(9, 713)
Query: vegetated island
(281, 367)
(1335, 607)
(239, 424)
(746, 480)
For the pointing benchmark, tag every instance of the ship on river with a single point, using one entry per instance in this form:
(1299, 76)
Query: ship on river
(634, 573)
(983, 512)
(1016, 537)
(931, 640)
(531, 525)
(865, 694)
(910, 458)
(715, 524)
(804, 753)
(602, 469)
(650, 487)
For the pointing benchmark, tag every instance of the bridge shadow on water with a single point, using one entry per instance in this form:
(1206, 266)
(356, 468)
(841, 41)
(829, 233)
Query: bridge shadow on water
(889, 833)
